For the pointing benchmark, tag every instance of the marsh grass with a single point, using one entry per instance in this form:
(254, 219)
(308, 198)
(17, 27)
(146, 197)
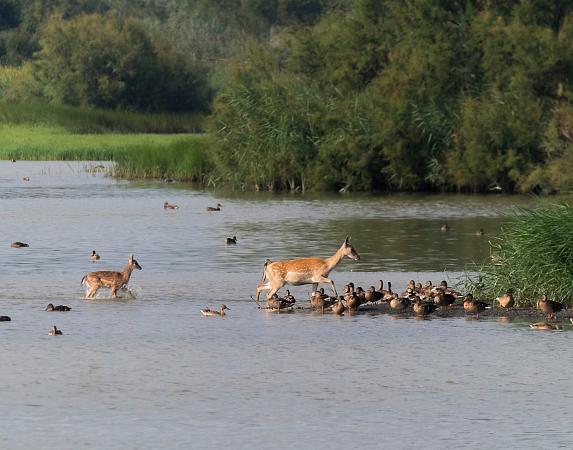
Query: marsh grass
(533, 255)
(184, 159)
(93, 120)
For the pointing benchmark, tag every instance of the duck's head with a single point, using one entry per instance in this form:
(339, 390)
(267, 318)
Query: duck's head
(50, 307)
(223, 307)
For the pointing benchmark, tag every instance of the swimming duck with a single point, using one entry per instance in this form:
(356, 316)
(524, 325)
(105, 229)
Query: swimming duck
(54, 331)
(473, 306)
(210, 312)
(94, 256)
(25, 178)
(545, 326)
(51, 308)
(549, 307)
(338, 307)
(168, 205)
(217, 208)
(480, 232)
(445, 227)
(5, 319)
(231, 241)
(399, 304)
(506, 300)
(19, 244)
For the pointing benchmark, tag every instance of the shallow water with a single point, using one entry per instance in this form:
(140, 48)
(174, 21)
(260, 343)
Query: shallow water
(153, 373)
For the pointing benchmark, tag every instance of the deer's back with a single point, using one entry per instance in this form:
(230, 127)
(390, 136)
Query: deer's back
(105, 276)
(301, 267)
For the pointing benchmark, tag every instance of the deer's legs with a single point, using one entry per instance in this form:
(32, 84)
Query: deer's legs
(262, 287)
(326, 280)
(274, 288)
(93, 290)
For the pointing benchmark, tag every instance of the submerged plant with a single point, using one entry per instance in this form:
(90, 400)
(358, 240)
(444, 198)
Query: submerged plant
(533, 255)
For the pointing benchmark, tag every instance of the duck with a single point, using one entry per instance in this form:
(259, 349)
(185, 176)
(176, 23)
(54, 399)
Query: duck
(338, 307)
(289, 298)
(231, 241)
(473, 306)
(54, 331)
(5, 318)
(320, 300)
(25, 178)
(506, 300)
(372, 295)
(545, 326)
(388, 295)
(275, 302)
(168, 205)
(443, 299)
(19, 244)
(351, 298)
(399, 304)
(445, 227)
(216, 208)
(210, 312)
(549, 307)
(361, 294)
(480, 232)
(94, 256)
(423, 308)
(51, 308)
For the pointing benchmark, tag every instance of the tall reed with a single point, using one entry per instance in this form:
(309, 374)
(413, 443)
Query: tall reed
(533, 255)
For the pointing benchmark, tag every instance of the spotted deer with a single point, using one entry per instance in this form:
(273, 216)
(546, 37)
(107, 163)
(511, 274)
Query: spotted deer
(109, 279)
(303, 271)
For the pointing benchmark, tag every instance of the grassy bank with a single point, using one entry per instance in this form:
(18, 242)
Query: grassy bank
(177, 156)
(88, 120)
(533, 255)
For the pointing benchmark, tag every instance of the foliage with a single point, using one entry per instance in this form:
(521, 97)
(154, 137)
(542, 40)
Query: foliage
(533, 255)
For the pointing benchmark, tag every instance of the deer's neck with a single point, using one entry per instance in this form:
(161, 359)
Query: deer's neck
(126, 274)
(333, 261)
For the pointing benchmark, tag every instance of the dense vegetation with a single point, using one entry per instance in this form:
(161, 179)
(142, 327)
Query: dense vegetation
(534, 256)
(432, 95)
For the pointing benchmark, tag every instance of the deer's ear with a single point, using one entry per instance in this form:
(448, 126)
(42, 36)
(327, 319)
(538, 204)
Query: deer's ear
(347, 240)
(131, 257)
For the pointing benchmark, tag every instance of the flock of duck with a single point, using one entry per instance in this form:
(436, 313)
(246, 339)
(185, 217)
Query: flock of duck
(416, 299)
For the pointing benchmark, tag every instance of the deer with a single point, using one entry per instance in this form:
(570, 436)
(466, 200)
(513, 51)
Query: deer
(109, 279)
(301, 271)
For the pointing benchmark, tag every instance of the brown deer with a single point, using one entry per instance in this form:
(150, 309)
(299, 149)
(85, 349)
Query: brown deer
(303, 271)
(109, 279)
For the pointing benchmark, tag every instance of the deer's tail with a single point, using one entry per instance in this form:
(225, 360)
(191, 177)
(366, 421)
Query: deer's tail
(264, 277)
(83, 280)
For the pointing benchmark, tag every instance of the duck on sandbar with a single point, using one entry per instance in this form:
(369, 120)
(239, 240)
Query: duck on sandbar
(473, 306)
(549, 307)
(506, 300)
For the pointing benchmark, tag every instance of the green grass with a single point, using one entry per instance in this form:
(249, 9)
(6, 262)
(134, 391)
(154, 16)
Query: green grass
(533, 255)
(84, 120)
(177, 156)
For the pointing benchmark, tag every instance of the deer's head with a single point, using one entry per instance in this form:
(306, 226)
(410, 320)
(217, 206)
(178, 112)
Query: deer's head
(348, 250)
(133, 264)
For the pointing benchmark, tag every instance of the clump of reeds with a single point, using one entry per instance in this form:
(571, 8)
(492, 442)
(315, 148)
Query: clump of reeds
(533, 255)
(184, 159)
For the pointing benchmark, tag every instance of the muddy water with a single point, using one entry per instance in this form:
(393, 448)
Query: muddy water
(153, 373)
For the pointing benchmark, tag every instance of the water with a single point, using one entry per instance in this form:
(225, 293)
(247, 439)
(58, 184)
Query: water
(153, 373)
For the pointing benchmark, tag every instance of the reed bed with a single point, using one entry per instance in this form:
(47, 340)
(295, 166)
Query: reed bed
(533, 255)
(93, 120)
(184, 159)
